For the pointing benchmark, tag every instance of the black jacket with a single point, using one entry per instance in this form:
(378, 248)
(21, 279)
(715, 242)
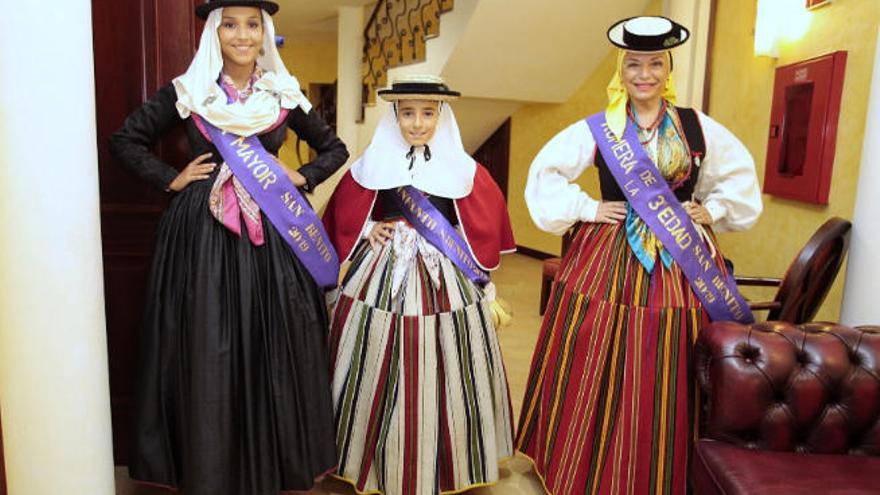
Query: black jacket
(131, 144)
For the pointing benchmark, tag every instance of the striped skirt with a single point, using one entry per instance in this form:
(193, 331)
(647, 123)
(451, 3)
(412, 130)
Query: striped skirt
(419, 388)
(609, 406)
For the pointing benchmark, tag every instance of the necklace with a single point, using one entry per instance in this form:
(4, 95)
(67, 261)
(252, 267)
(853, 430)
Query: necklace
(654, 127)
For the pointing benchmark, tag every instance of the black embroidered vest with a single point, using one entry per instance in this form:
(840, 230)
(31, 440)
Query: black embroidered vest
(386, 207)
(693, 140)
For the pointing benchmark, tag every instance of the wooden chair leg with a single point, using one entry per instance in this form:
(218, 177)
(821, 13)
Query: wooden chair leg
(546, 284)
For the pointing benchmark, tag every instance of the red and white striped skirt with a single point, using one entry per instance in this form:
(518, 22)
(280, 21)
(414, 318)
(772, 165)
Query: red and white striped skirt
(419, 388)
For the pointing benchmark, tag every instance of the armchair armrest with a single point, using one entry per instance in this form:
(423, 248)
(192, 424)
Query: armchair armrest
(759, 281)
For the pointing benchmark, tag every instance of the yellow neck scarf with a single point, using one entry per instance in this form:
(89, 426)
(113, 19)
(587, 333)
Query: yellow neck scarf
(615, 113)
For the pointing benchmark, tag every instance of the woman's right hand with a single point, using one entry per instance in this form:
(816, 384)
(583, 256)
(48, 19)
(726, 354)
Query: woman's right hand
(194, 170)
(611, 212)
(381, 233)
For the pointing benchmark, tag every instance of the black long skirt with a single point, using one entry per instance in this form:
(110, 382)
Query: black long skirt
(233, 389)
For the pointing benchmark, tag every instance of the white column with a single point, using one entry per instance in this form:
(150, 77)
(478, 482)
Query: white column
(349, 54)
(54, 389)
(350, 44)
(690, 58)
(860, 305)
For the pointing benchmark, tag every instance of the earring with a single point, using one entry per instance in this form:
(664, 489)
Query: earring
(262, 52)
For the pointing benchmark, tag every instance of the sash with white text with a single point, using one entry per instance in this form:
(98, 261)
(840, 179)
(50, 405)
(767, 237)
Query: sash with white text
(437, 230)
(655, 203)
(265, 180)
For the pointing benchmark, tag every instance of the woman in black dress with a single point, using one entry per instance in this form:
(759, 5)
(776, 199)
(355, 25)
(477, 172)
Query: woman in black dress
(233, 390)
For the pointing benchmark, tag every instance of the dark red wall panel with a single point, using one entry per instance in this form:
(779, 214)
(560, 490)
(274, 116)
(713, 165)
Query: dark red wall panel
(139, 45)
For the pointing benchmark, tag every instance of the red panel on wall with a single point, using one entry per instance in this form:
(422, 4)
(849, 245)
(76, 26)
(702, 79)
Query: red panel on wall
(803, 128)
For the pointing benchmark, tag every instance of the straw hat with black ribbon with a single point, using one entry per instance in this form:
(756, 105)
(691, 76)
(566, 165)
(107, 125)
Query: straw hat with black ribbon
(643, 34)
(418, 87)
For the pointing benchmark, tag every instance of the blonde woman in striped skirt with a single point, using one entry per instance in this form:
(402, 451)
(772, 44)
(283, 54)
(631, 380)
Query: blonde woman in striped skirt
(609, 406)
(419, 388)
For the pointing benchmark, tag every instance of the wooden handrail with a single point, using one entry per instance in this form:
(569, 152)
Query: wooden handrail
(395, 35)
(372, 18)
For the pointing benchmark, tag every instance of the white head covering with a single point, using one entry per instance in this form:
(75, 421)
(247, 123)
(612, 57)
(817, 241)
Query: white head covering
(198, 91)
(384, 165)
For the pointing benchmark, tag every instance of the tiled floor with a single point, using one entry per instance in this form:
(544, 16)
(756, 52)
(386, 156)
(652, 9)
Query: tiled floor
(519, 283)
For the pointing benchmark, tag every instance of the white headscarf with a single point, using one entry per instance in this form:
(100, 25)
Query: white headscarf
(198, 91)
(384, 165)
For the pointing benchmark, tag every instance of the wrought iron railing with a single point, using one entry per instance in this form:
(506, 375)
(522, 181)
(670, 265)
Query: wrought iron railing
(395, 35)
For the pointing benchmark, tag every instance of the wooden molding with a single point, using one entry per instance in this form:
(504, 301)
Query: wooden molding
(2, 464)
(710, 42)
(494, 154)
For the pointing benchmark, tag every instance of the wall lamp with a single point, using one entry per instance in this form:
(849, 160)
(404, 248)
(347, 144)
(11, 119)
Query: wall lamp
(781, 20)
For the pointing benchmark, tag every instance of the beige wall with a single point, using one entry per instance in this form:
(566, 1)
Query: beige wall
(740, 97)
(310, 62)
(533, 125)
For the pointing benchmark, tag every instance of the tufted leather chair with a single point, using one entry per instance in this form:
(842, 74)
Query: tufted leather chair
(788, 409)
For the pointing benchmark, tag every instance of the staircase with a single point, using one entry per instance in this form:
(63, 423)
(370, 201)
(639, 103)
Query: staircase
(501, 54)
(396, 35)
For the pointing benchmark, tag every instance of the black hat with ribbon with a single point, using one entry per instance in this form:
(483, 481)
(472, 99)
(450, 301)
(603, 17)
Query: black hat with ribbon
(418, 87)
(204, 9)
(647, 34)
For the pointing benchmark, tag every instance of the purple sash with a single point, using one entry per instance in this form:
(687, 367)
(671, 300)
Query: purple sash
(650, 196)
(265, 180)
(434, 227)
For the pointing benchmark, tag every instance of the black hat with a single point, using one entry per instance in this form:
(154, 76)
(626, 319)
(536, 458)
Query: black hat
(647, 34)
(204, 9)
(418, 87)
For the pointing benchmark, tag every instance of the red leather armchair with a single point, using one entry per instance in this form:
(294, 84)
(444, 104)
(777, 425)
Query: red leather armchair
(788, 409)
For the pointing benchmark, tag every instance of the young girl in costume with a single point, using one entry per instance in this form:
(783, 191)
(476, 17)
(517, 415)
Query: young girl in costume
(419, 387)
(233, 390)
(610, 403)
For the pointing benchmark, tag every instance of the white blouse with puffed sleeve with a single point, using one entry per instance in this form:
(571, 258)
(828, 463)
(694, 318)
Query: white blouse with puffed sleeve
(728, 186)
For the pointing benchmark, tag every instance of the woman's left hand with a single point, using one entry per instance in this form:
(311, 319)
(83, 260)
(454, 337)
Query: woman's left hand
(297, 178)
(698, 213)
